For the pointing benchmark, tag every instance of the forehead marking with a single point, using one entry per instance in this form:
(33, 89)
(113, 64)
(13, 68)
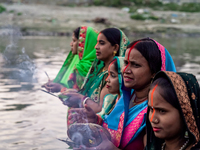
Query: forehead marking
(109, 68)
(152, 102)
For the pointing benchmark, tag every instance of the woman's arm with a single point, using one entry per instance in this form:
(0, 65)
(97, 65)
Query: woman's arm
(96, 107)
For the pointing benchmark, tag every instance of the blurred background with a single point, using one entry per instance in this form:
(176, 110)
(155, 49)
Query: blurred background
(35, 38)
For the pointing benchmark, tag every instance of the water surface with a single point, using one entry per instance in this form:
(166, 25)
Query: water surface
(33, 120)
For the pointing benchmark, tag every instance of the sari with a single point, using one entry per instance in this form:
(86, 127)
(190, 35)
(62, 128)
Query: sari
(127, 125)
(110, 100)
(187, 91)
(76, 67)
(95, 79)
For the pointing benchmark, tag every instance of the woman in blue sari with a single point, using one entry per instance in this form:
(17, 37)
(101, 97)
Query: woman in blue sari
(126, 123)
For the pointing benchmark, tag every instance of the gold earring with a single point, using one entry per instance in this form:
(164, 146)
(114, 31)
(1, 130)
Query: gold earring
(114, 53)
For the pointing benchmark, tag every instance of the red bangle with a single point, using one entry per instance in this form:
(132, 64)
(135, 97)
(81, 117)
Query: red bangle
(99, 119)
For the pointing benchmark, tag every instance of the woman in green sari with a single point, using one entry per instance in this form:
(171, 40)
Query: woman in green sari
(111, 42)
(78, 61)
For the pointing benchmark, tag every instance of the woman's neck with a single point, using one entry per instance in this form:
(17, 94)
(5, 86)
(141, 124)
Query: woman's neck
(142, 94)
(107, 62)
(175, 144)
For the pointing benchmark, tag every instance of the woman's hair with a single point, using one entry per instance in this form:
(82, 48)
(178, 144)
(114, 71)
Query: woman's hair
(76, 32)
(114, 61)
(113, 35)
(150, 51)
(167, 91)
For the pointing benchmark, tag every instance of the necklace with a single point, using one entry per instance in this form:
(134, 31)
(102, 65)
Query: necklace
(182, 147)
(135, 103)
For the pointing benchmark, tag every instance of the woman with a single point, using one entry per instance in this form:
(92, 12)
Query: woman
(126, 123)
(110, 42)
(78, 61)
(173, 112)
(113, 84)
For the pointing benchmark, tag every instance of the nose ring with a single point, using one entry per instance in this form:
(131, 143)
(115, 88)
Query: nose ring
(156, 120)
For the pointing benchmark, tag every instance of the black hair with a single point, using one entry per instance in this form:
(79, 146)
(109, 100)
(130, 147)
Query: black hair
(113, 35)
(167, 91)
(150, 51)
(115, 64)
(76, 32)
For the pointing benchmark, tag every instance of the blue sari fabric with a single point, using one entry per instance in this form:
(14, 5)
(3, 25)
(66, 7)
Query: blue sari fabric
(113, 120)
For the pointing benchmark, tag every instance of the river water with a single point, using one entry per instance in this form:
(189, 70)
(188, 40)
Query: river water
(33, 120)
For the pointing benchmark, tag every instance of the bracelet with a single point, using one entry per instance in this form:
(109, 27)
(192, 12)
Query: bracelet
(99, 119)
(84, 101)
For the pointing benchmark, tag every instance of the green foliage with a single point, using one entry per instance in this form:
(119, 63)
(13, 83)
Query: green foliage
(138, 17)
(113, 3)
(11, 11)
(153, 18)
(143, 16)
(190, 7)
(2, 9)
(97, 2)
(154, 4)
(19, 13)
(171, 6)
(185, 7)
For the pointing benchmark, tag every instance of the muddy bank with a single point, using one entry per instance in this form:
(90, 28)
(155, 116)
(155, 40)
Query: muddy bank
(47, 20)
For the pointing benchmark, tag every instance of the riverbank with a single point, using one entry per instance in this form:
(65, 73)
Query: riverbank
(46, 20)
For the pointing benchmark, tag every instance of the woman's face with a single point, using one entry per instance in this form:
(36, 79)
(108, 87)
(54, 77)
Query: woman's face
(74, 44)
(104, 49)
(112, 80)
(136, 71)
(165, 119)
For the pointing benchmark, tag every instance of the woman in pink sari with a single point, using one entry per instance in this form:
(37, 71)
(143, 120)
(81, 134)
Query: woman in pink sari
(127, 121)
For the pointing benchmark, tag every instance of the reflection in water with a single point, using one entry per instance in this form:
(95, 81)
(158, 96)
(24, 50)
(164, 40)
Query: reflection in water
(15, 107)
(32, 119)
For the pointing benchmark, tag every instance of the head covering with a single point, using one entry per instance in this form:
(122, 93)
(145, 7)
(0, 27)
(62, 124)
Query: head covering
(79, 64)
(111, 99)
(95, 79)
(121, 117)
(187, 91)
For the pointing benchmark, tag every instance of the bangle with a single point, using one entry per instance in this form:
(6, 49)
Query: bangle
(99, 119)
(84, 101)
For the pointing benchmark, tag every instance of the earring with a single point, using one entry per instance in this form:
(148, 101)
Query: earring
(186, 135)
(114, 53)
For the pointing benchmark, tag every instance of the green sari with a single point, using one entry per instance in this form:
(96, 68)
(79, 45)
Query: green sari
(76, 67)
(95, 79)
